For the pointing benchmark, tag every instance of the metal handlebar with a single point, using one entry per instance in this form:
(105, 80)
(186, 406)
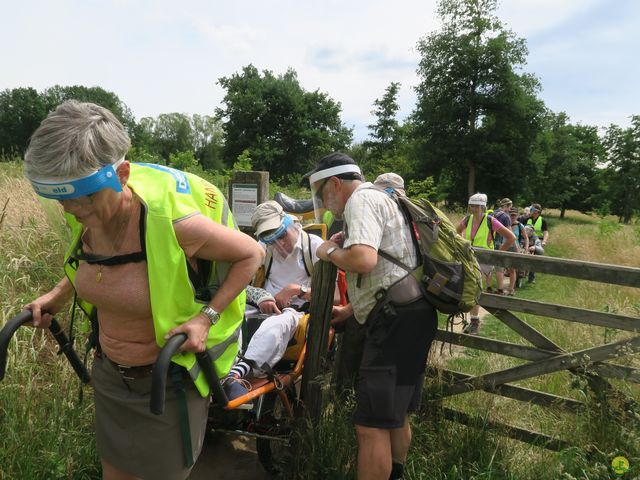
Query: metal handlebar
(161, 371)
(65, 346)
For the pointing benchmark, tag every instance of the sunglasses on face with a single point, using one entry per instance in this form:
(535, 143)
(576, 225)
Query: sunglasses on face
(274, 236)
(321, 189)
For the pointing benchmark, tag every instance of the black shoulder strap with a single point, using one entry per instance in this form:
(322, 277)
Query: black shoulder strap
(490, 227)
(307, 257)
(268, 270)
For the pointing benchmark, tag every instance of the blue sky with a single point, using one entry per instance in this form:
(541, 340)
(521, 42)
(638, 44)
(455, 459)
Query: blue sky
(165, 56)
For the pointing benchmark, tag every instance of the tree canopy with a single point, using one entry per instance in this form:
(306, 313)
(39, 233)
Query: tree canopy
(623, 169)
(22, 110)
(475, 115)
(284, 127)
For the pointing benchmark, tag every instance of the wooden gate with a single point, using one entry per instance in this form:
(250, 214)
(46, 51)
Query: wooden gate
(543, 355)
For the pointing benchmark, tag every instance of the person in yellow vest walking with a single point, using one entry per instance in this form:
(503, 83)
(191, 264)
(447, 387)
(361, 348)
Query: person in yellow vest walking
(480, 228)
(540, 228)
(154, 252)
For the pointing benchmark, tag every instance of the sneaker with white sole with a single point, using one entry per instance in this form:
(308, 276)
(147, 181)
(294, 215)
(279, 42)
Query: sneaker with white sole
(473, 328)
(235, 387)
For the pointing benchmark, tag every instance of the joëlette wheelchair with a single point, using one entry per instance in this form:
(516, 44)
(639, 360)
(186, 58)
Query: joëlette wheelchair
(266, 412)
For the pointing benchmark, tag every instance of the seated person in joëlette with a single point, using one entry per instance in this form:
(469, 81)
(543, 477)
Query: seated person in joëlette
(288, 267)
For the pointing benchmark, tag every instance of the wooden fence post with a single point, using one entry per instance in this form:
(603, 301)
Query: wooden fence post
(323, 281)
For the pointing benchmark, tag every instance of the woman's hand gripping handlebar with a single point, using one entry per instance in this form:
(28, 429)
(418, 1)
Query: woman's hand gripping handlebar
(65, 346)
(161, 371)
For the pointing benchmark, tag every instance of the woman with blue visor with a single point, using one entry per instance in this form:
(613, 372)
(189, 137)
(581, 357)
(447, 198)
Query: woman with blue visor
(154, 252)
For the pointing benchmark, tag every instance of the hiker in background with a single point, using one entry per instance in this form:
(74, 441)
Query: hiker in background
(535, 244)
(391, 181)
(398, 337)
(520, 245)
(479, 229)
(541, 230)
(139, 232)
(286, 293)
(525, 216)
(502, 214)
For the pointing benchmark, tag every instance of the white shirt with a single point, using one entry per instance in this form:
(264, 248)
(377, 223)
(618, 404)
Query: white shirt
(290, 269)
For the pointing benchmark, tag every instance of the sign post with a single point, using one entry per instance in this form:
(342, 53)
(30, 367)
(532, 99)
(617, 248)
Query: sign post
(247, 190)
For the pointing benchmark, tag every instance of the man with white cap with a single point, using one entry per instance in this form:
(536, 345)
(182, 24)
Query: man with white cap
(291, 253)
(398, 336)
(390, 180)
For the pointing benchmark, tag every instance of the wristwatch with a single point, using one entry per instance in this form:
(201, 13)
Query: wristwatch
(303, 291)
(331, 250)
(211, 314)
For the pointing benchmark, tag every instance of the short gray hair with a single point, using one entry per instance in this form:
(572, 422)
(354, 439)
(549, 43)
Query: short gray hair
(75, 140)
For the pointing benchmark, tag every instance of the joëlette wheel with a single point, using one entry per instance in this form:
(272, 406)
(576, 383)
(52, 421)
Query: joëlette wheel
(274, 422)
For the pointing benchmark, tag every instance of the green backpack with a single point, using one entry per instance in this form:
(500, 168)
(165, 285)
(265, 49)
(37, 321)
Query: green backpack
(449, 272)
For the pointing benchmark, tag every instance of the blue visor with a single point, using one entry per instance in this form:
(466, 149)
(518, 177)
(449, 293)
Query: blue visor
(106, 177)
(279, 232)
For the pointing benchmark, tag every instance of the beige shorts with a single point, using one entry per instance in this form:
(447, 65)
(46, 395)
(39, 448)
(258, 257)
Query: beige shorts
(134, 440)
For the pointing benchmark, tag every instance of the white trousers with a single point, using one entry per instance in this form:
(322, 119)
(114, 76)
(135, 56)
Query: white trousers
(270, 341)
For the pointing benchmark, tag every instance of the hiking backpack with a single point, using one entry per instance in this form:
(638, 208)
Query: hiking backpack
(449, 273)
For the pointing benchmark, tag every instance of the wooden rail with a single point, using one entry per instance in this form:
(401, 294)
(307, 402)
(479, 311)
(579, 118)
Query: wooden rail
(543, 355)
(540, 355)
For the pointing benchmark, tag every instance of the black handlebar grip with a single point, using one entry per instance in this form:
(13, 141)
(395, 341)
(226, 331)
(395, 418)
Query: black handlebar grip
(161, 370)
(65, 346)
(5, 336)
(204, 360)
(69, 352)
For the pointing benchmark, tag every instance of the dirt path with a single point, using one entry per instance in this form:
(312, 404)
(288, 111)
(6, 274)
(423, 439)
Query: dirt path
(228, 457)
(440, 356)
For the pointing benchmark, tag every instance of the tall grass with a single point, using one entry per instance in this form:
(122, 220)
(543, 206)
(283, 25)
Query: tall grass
(44, 431)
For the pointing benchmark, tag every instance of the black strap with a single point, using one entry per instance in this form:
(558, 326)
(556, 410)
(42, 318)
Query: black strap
(183, 413)
(304, 258)
(269, 372)
(135, 257)
(268, 271)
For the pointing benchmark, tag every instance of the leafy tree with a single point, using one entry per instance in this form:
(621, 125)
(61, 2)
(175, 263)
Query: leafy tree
(623, 169)
(244, 162)
(142, 155)
(385, 133)
(183, 160)
(172, 133)
(475, 117)
(142, 135)
(21, 111)
(207, 141)
(566, 156)
(57, 94)
(284, 127)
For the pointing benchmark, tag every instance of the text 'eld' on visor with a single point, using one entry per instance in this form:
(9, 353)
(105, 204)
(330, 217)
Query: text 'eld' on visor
(61, 189)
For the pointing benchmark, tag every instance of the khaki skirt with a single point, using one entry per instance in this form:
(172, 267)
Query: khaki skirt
(134, 440)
